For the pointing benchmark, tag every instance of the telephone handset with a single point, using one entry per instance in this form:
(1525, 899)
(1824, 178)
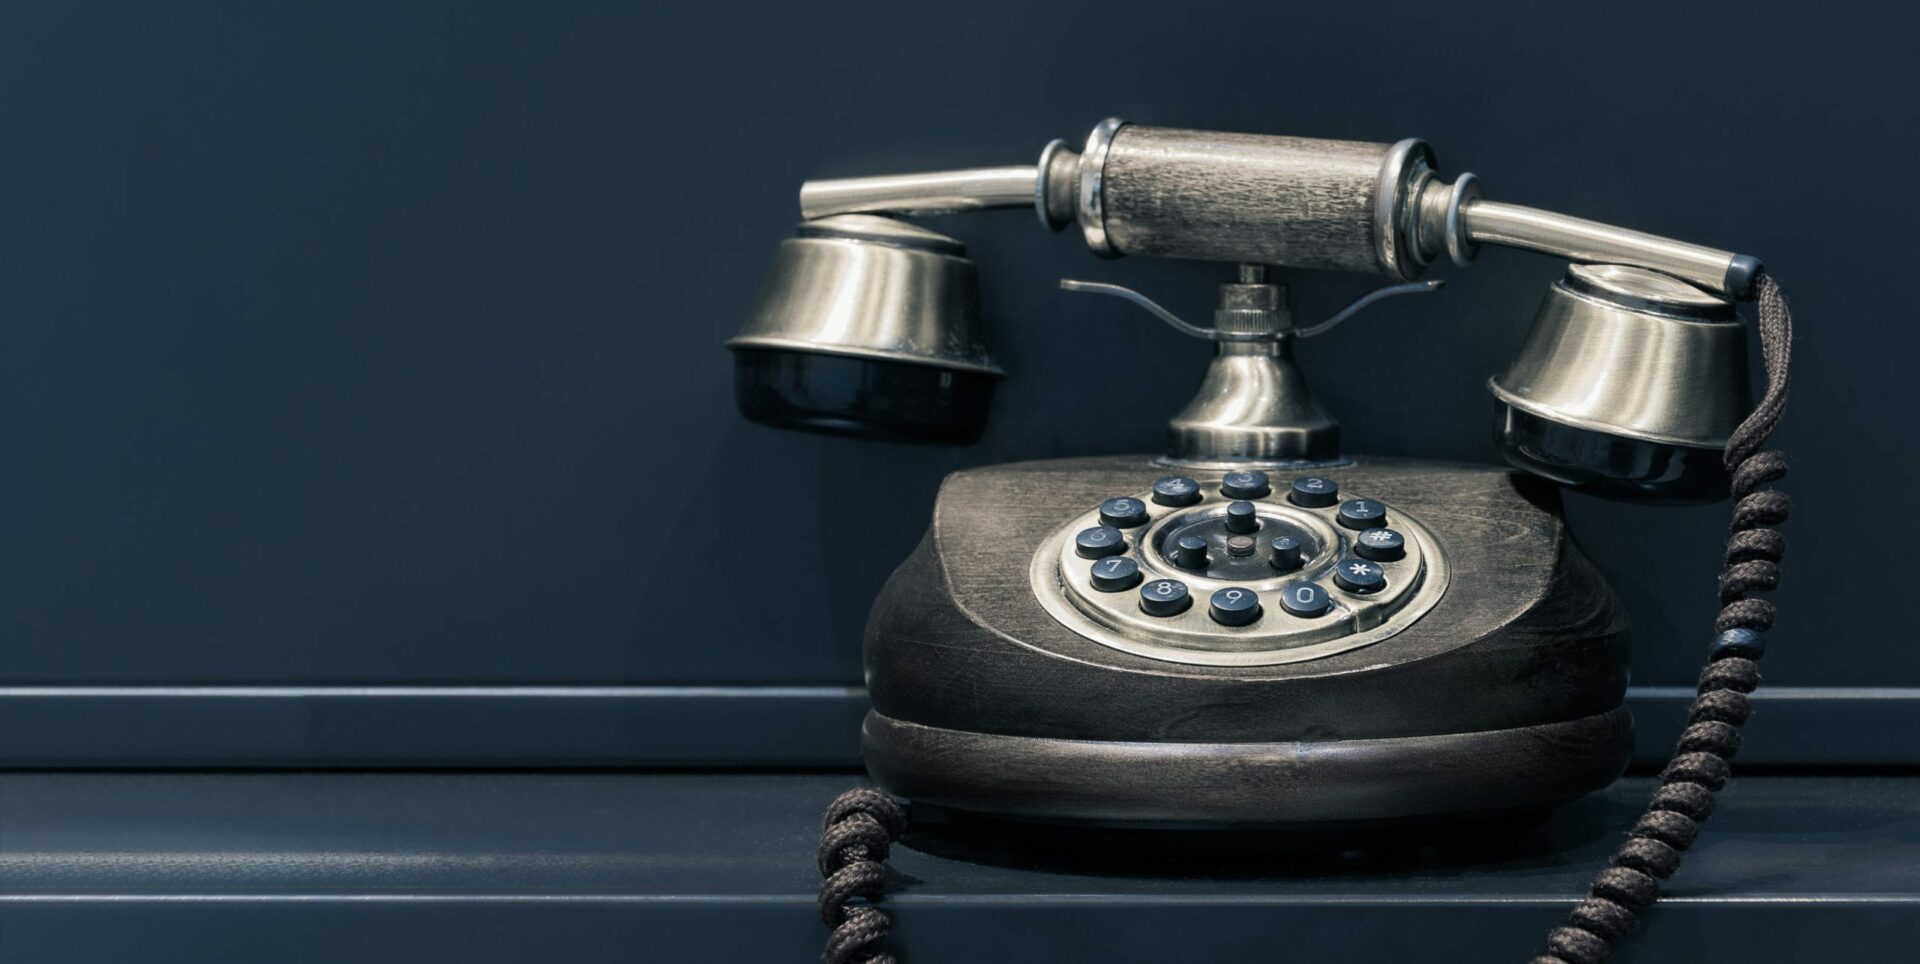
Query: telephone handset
(1254, 629)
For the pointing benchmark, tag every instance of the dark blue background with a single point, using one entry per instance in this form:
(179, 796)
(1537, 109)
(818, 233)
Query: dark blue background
(380, 342)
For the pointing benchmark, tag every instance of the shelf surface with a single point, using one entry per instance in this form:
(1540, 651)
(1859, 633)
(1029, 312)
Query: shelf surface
(579, 866)
(789, 727)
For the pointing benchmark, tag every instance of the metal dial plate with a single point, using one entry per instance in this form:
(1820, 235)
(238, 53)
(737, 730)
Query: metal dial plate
(1062, 581)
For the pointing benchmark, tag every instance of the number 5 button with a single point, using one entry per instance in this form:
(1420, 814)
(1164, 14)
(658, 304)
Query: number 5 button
(1305, 599)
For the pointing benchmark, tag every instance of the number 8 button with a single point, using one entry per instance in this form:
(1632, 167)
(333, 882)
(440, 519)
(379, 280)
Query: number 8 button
(1165, 597)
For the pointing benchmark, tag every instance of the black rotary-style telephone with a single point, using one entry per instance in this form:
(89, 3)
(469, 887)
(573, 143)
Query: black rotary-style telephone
(1254, 629)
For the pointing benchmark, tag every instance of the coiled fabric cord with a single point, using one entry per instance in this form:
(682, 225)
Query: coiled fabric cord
(861, 825)
(1699, 766)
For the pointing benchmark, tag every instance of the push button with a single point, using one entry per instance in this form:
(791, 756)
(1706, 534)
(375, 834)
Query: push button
(1234, 607)
(1176, 491)
(1240, 547)
(1246, 484)
(1362, 514)
(1099, 542)
(1190, 552)
(1305, 599)
(1123, 513)
(1358, 575)
(1115, 574)
(1380, 545)
(1165, 597)
(1314, 492)
(1288, 553)
(1242, 519)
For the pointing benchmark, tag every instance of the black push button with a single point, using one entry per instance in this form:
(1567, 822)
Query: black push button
(1305, 599)
(1242, 519)
(1099, 542)
(1380, 545)
(1246, 484)
(1176, 491)
(1234, 607)
(1115, 574)
(1190, 552)
(1123, 513)
(1362, 514)
(1165, 597)
(1314, 492)
(1288, 553)
(1359, 575)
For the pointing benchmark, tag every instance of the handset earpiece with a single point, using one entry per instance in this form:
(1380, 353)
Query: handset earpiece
(1628, 386)
(868, 326)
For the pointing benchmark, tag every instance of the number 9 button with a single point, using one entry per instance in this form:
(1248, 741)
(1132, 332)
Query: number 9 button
(1233, 606)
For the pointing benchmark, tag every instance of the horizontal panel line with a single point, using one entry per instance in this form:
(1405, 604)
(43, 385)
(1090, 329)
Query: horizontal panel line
(490, 692)
(1023, 900)
(1895, 693)
(732, 725)
(1787, 693)
(759, 692)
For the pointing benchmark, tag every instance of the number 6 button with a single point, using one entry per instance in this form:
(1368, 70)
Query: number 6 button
(1305, 599)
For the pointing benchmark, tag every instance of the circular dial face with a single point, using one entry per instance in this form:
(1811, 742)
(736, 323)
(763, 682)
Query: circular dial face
(1302, 571)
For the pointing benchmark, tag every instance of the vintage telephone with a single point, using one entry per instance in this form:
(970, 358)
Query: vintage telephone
(1255, 629)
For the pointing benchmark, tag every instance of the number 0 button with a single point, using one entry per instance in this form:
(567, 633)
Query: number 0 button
(1165, 597)
(1305, 599)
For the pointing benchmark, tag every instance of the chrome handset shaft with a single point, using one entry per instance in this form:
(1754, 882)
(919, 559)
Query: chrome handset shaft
(932, 192)
(1577, 239)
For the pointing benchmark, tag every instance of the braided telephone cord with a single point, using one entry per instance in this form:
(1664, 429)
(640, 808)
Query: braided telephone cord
(860, 827)
(1699, 766)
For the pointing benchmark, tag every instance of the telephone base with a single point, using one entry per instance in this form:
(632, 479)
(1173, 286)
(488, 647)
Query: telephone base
(1296, 784)
(1004, 681)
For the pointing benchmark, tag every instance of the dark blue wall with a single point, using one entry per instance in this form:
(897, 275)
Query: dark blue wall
(380, 342)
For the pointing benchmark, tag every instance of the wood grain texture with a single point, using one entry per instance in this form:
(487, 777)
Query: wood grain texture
(1243, 197)
(1526, 634)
